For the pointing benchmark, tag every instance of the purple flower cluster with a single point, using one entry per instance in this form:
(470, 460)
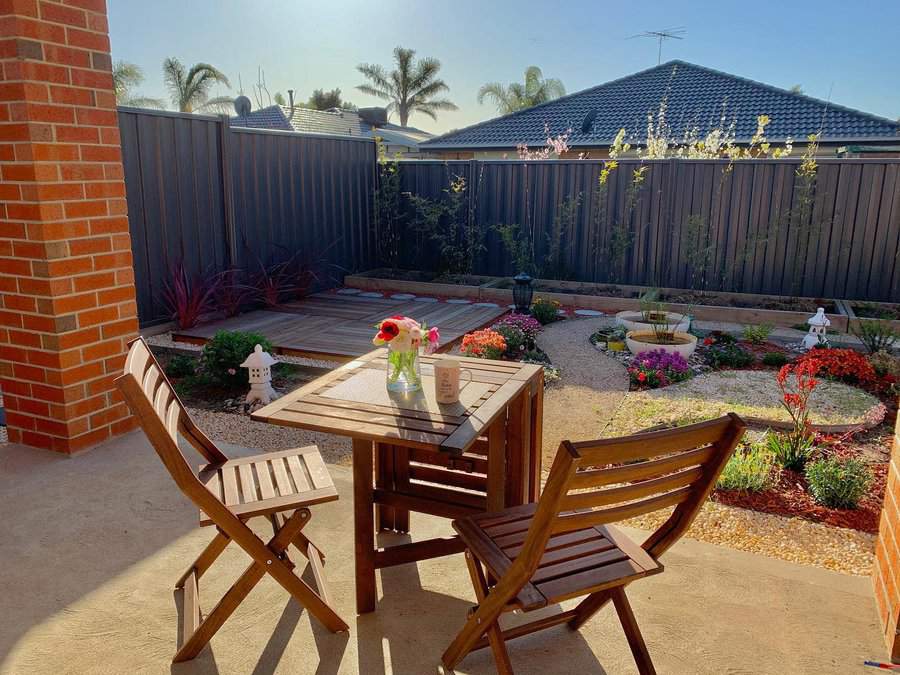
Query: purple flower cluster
(658, 368)
(529, 326)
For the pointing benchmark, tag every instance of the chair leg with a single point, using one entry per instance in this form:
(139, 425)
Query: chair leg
(588, 607)
(479, 623)
(494, 634)
(194, 643)
(632, 632)
(205, 560)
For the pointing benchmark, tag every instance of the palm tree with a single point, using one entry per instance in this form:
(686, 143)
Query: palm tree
(127, 76)
(517, 96)
(411, 87)
(190, 90)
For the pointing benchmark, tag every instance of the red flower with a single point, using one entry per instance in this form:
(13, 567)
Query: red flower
(708, 341)
(388, 330)
(642, 376)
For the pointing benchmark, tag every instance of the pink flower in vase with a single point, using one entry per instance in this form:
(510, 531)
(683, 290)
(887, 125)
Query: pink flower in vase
(434, 339)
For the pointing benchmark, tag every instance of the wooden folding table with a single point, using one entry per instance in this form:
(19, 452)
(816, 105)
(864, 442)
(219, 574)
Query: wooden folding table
(480, 454)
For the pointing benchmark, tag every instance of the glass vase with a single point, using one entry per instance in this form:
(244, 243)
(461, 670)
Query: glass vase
(404, 372)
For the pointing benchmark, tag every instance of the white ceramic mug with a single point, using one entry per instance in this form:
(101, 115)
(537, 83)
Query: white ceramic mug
(447, 373)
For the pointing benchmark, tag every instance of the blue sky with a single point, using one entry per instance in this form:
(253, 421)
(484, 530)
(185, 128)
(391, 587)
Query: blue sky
(849, 51)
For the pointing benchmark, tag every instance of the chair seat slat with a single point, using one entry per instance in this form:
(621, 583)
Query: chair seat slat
(230, 486)
(247, 484)
(318, 473)
(282, 482)
(298, 474)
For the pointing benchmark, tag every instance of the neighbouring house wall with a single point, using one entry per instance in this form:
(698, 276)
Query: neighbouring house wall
(886, 575)
(66, 280)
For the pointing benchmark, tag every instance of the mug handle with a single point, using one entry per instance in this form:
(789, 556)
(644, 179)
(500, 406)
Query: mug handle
(466, 372)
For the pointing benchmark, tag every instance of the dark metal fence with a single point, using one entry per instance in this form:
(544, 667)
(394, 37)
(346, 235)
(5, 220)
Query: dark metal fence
(216, 196)
(755, 228)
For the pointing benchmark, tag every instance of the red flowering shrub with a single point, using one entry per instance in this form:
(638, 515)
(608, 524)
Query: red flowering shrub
(796, 382)
(484, 344)
(846, 365)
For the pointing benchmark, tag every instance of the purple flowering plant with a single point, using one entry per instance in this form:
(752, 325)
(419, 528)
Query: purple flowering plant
(529, 326)
(658, 368)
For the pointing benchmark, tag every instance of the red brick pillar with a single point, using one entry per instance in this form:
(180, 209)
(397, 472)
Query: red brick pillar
(67, 303)
(887, 555)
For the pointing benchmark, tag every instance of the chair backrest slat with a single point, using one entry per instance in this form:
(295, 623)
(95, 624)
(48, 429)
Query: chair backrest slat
(153, 401)
(656, 470)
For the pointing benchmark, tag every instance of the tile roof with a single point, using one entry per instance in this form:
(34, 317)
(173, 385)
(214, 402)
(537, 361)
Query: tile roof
(336, 122)
(696, 97)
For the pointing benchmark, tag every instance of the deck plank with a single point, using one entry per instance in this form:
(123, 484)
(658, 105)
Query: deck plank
(342, 326)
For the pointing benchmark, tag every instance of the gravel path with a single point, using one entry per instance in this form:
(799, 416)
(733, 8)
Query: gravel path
(792, 539)
(592, 386)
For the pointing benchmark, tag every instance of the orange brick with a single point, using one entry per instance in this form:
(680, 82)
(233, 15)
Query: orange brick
(91, 245)
(100, 315)
(87, 39)
(92, 282)
(76, 134)
(124, 327)
(100, 153)
(115, 189)
(86, 209)
(70, 16)
(71, 95)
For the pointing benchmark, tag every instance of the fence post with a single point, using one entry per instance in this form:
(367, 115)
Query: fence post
(227, 191)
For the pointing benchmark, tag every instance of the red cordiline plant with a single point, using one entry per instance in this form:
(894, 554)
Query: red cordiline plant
(189, 296)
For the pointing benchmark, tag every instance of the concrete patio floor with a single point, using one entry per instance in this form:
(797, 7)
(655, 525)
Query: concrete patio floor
(90, 548)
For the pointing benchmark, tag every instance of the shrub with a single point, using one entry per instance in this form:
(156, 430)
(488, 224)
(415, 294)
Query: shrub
(233, 294)
(535, 356)
(514, 337)
(545, 311)
(658, 368)
(189, 296)
(181, 365)
(751, 469)
(758, 334)
(776, 359)
(791, 452)
(727, 355)
(483, 344)
(885, 364)
(717, 338)
(838, 483)
(226, 351)
(529, 326)
(846, 365)
(876, 335)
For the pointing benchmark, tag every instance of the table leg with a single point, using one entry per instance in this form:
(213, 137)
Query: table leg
(496, 469)
(364, 525)
(401, 481)
(384, 480)
(518, 450)
(537, 419)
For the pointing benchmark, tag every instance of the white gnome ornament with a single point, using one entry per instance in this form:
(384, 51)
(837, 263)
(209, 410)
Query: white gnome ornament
(259, 364)
(818, 328)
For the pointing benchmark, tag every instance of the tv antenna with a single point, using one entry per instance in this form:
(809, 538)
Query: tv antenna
(676, 33)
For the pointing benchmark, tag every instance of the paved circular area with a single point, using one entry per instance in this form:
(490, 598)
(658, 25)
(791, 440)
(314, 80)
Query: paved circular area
(402, 296)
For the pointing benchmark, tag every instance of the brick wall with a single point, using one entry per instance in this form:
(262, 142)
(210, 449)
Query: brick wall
(67, 303)
(887, 555)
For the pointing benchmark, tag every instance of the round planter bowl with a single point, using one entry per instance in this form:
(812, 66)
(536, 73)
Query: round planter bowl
(635, 321)
(641, 341)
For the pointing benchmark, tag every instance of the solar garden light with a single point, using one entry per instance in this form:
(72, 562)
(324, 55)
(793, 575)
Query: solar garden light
(818, 327)
(522, 292)
(259, 364)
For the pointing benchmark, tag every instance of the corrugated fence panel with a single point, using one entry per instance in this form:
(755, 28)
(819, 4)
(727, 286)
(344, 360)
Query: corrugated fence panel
(215, 196)
(690, 223)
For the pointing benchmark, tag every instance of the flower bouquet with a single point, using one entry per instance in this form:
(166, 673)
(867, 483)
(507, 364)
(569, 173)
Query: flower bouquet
(403, 337)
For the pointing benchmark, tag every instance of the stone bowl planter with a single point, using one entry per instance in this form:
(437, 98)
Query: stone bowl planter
(640, 341)
(634, 321)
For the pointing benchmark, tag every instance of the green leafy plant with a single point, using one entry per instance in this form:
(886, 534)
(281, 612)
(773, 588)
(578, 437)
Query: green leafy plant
(517, 242)
(885, 363)
(751, 469)
(776, 359)
(758, 334)
(181, 365)
(727, 355)
(514, 337)
(838, 483)
(559, 241)
(791, 452)
(876, 335)
(545, 311)
(451, 224)
(226, 350)
(388, 215)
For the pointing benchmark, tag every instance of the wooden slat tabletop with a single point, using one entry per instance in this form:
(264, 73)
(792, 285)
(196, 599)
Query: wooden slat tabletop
(353, 401)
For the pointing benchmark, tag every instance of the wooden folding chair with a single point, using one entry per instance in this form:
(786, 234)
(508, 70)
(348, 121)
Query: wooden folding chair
(228, 493)
(529, 557)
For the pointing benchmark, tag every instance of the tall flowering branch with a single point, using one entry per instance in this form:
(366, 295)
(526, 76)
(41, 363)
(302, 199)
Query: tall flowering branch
(797, 382)
(554, 145)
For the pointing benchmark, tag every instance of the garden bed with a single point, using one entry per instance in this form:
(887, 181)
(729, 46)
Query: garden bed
(708, 306)
(871, 311)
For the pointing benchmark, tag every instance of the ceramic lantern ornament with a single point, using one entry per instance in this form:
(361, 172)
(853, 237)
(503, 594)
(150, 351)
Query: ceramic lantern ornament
(259, 364)
(818, 327)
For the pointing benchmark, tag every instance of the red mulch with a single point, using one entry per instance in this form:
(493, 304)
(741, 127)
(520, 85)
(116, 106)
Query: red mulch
(789, 498)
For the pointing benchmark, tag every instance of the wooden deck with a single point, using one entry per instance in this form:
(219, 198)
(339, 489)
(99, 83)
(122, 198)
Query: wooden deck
(341, 327)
